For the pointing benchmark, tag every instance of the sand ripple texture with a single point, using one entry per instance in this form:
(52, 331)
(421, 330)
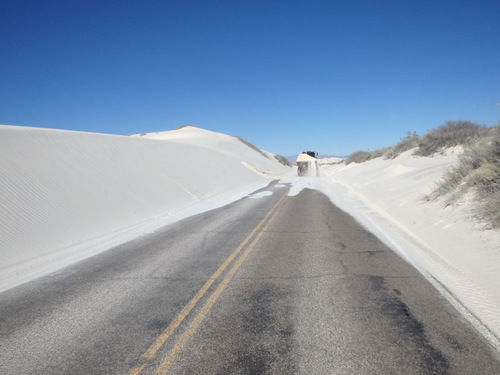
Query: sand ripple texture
(67, 195)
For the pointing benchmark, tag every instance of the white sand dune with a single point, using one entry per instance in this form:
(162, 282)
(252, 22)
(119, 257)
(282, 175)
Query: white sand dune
(67, 195)
(448, 246)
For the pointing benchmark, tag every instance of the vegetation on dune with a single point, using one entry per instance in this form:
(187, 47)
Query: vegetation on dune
(450, 134)
(283, 160)
(476, 174)
(252, 146)
(279, 158)
(407, 143)
(358, 157)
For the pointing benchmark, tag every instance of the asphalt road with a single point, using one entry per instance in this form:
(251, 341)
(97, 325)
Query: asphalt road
(270, 284)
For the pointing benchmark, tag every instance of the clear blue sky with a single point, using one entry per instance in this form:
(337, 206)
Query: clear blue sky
(331, 76)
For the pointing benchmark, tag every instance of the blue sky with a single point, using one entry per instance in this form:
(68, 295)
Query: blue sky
(331, 76)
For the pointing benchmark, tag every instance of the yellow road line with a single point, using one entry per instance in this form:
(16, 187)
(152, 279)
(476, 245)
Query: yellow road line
(153, 349)
(172, 355)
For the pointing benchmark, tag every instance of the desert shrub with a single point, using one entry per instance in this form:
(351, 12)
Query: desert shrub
(253, 147)
(451, 133)
(405, 144)
(477, 172)
(487, 183)
(455, 181)
(379, 153)
(283, 160)
(357, 157)
(489, 210)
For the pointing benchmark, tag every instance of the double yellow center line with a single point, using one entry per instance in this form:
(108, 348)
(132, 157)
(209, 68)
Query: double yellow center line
(255, 234)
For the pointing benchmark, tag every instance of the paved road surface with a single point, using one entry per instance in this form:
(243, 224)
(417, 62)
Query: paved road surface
(267, 285)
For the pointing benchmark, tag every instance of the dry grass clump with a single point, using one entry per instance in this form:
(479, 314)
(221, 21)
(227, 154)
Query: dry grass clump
(358, 157)
(477, 173)
(450, 134)
(407, 143)
(379, 153)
